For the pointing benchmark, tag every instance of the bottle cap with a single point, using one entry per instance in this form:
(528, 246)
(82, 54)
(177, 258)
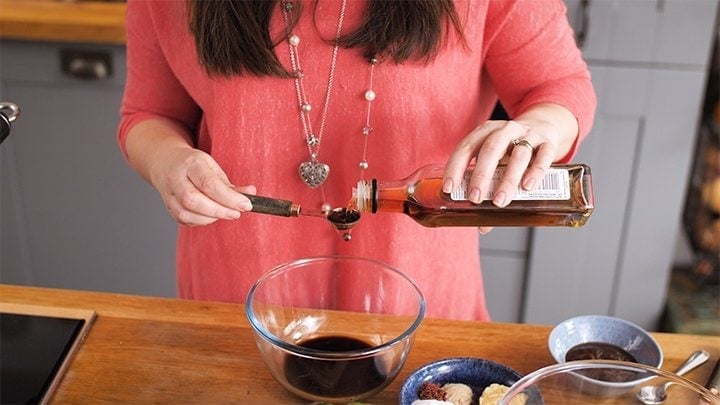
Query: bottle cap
(361, 195)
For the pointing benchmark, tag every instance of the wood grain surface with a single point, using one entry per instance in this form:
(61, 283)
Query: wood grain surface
(160, 350)
(62, 20)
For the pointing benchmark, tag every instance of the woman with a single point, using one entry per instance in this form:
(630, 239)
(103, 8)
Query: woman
(299, 100)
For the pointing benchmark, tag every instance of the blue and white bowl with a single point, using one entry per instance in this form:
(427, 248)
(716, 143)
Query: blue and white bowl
(474, 372)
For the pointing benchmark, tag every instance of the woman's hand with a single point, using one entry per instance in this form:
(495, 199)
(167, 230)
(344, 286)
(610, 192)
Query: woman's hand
(527, 145)
(196, 191)
(194, 188)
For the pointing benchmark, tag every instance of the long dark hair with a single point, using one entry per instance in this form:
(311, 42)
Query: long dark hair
(232, 36)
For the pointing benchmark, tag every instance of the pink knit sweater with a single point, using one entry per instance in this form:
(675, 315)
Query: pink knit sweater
(520, 51)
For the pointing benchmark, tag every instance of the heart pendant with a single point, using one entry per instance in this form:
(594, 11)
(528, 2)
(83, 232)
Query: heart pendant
(313, 173)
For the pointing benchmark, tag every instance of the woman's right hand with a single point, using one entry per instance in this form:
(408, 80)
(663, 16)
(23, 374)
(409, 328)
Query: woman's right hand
(195, 189)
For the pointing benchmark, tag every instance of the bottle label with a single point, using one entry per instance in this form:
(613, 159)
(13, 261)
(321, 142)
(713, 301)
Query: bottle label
(555, 186)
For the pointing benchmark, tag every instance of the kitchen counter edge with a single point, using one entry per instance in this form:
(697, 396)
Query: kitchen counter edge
(63, 21)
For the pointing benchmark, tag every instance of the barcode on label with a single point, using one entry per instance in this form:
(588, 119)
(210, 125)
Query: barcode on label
(554, 186)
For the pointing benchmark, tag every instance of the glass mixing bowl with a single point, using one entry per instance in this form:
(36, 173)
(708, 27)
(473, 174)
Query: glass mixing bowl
(334, 328)
(574, 382)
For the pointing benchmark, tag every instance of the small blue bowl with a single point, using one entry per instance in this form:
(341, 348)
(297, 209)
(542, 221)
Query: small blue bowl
(473, 372)
(605, 329)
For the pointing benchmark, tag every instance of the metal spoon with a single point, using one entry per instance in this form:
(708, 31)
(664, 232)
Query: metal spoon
(343, 219)
(655, 394)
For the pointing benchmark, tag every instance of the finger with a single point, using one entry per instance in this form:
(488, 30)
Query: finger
(249, 189)
(212, 181)
(186, 217)
(198, 203)
(544, 156)
(484, 230)
(188, 191)
(507, 186)
(488, 157)
(465, 151)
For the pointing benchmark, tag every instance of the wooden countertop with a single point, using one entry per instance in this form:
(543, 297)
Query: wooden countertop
(63, 20)
(158, 350)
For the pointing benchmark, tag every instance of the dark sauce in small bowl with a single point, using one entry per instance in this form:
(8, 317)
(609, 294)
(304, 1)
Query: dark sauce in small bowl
(602, 351)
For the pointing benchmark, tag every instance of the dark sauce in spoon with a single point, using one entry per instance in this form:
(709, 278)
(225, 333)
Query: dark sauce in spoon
(343, 218)
(602, 351)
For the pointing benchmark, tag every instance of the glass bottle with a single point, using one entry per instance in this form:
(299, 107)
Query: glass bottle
(564, 198)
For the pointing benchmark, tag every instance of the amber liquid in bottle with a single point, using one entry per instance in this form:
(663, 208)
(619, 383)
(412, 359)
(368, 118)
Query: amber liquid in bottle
(564, 198)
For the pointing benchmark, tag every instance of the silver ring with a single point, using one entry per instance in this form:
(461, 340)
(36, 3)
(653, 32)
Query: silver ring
(523, 142)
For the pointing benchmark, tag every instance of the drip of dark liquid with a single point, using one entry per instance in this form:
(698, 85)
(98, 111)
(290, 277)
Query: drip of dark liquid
(336, 378)
(602, 351)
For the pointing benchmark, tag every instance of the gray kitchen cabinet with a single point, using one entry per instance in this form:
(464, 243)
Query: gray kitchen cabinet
(74, 215)
(503, 256)
(620, 262)
(649, 61)
(645, 31)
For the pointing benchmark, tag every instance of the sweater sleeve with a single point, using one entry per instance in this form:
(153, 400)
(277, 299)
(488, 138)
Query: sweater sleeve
(531, 58)
(152, 90)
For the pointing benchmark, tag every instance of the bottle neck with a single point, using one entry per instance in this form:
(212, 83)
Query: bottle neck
(365, 196)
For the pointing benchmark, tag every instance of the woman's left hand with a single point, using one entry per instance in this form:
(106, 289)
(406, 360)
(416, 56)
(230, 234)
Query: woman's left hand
(527, 145)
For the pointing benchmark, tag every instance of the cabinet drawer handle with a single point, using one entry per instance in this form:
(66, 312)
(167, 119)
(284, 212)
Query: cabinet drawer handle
(86, 65)
(584, 23)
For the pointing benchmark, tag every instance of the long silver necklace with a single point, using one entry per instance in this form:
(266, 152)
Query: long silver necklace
(314, 172)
